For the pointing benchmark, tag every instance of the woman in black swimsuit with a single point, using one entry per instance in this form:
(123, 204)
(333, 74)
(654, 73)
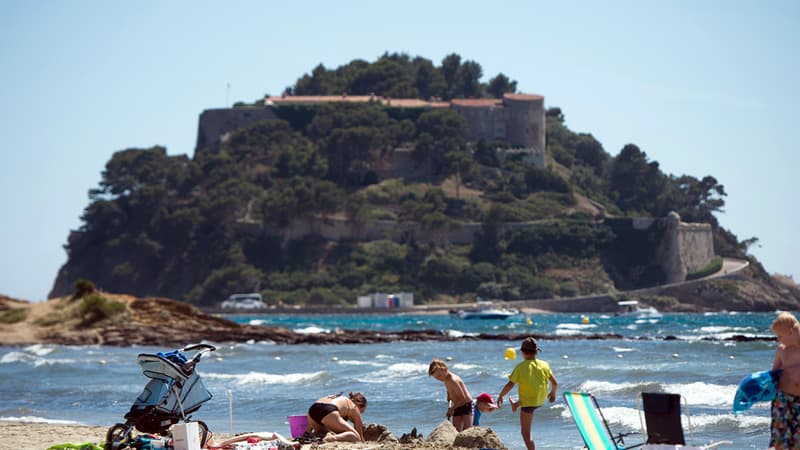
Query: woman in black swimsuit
(328, 417)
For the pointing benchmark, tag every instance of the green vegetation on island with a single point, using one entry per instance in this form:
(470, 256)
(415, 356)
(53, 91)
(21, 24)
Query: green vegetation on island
(204, 227)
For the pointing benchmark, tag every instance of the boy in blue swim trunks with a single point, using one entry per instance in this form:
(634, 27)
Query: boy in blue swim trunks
(785, 427)
(533, 376)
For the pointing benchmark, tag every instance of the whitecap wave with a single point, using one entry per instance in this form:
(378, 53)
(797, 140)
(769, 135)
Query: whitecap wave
(35, 419)
(458, 333)
(465, 367)
(39, 349)
(401, 370)
(269, 378)
(622, 349)
(352, 362)
(699, 393)
(311, 330)
(607, 387)
(575, 326)
(36, 361)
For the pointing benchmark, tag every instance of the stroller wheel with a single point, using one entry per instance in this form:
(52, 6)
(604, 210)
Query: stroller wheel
(205, 434)
(118, 437)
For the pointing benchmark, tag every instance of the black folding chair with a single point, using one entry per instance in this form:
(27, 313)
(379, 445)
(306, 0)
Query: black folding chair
(662, 416)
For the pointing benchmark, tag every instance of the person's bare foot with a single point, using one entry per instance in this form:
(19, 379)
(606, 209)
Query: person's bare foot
(329, 437)
(514, 405)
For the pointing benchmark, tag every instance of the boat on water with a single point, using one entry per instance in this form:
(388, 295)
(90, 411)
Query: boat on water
(634, 309)
(484, 310)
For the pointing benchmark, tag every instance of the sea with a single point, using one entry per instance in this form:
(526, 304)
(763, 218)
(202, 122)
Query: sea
(257, 385)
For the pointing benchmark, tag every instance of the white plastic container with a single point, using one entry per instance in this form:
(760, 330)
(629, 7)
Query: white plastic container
(186, 436)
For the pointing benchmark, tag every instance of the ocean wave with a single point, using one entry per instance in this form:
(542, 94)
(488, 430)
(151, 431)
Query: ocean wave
(719, 329)
(34, 419)
(353, 362)
(311, 330)
(606, 387)
(401, 370)
(40, 349)
(621, 418)
(465, 366)
(269, 378)
(458, 333)
(575, 326)
(716, 422)
(36, 361)
(623, 349)
(700, 393)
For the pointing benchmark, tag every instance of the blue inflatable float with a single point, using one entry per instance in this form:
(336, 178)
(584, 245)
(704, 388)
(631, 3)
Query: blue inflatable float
(754, 388)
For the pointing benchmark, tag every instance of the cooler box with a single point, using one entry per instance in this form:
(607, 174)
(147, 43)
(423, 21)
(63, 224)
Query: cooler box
(186, 436)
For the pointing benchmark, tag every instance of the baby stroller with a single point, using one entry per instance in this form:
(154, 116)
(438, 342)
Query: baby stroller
(174, 391)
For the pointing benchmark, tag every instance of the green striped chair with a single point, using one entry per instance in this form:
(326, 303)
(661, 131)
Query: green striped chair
(591, 423)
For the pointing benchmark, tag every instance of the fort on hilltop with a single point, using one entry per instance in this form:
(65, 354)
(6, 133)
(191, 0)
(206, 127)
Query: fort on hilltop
(518, 119)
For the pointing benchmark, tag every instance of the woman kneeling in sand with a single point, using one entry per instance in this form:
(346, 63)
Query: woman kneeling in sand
(328, 417)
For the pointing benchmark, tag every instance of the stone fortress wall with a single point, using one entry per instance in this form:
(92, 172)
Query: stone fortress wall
(518, 119)
(215, 125)
(684, 247)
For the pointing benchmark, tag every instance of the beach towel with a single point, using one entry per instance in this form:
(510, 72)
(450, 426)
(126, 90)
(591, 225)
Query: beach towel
(86, 446)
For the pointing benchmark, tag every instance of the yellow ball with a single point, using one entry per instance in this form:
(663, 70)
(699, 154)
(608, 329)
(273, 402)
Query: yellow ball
(510, 353)
(529, 321)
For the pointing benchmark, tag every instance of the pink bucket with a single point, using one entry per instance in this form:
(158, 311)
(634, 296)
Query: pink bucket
(298, 425)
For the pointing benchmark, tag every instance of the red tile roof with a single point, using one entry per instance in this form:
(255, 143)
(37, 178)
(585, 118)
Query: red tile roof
(523, 96)
(399, 102)
(479, 102)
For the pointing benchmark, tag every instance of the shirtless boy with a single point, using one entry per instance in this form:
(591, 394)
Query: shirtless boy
(458, 396)
(785, 427)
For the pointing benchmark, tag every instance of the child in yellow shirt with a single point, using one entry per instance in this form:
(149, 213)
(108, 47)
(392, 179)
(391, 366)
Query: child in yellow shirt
(533, 376)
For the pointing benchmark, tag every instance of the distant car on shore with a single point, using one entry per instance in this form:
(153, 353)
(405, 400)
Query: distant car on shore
(252, 300)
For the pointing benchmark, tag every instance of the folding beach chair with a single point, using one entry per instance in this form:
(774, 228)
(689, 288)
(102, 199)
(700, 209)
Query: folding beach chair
(662, 417)
(592, 424)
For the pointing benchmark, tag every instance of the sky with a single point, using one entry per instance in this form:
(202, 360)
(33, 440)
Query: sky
(704, 87)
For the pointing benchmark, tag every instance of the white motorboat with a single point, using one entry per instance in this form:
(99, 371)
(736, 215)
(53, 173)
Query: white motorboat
(485, 310)
(634, 309)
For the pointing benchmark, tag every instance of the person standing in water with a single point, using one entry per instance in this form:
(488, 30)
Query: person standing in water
(533, 376)
(785, 424)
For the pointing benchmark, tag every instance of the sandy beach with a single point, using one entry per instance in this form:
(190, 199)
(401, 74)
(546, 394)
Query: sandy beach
(40, 436)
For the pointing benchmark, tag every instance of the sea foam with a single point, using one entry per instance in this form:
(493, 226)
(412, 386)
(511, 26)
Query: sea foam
(269, 378)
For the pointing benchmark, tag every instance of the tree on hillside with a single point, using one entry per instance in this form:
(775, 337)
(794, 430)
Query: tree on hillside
(438, 133)
(320, 82)
(636, 184)
(468, 81)
(354, 138)
(697, 200)
(428, 80)
(131, 169)
(459, 164)
(500, 85)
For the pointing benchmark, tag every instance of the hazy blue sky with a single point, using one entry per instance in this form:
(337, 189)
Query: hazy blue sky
(703, 87)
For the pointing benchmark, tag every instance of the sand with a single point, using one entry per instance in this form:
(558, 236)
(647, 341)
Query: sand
(40, 436)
